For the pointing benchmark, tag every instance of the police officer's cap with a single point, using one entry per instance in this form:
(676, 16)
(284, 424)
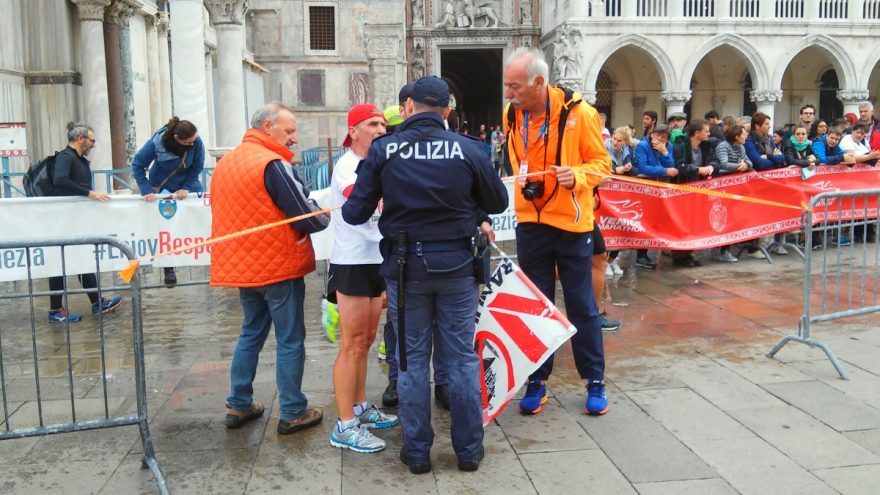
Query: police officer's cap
(405, 92)
(432, 91)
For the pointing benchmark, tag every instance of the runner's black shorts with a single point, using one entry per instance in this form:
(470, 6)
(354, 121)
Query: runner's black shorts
(354, 280)
(598, 241)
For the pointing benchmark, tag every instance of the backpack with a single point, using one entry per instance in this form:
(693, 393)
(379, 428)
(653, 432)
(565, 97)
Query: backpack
(37, 181)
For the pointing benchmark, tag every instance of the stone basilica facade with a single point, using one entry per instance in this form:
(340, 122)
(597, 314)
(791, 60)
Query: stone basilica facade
(126, 66)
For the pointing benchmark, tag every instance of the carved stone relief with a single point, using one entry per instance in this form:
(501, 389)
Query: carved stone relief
(358, 88)
(418, 12)
(227, 11)
(567, 54)
(525, 9)
(466, 14)
(418, 63)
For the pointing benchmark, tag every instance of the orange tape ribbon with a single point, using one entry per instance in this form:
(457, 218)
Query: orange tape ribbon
(127, 273)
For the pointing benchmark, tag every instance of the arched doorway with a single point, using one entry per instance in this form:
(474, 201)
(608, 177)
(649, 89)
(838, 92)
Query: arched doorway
(605, 97)
(808, 80)
(718, 83)
(748, 107)
(830, 107)
(633, 85)
(476, 77)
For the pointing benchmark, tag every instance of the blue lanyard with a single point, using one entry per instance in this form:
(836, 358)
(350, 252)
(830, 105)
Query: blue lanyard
(525, 132)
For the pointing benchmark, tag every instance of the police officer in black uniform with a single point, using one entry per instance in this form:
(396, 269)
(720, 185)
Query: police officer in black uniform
(436, 186)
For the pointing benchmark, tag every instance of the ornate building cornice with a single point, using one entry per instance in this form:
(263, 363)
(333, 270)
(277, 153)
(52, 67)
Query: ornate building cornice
(680, 97)
(765, 95)
(119, 13)
(162, 23)
(91, 10)
(227, 11)
(852, 96)
(475, 34)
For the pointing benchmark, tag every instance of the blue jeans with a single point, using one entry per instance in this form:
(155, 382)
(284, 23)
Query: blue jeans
(441, 377)
(452, 303)
(540, 250)
(281, 304)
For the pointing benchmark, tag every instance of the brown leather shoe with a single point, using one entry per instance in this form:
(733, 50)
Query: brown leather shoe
(311, 417)
(237, 419)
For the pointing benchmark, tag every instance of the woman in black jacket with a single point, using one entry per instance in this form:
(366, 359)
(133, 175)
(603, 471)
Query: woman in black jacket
(72, 176)
(799, 150)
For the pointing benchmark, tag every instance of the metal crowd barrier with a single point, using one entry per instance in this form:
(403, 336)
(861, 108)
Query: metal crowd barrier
(20, 348)
(843, 278)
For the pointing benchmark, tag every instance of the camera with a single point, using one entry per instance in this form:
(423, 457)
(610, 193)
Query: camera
(533, 190)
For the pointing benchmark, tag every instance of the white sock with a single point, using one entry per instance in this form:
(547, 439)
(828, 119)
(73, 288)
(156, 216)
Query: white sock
(344, 425)
(360, 409)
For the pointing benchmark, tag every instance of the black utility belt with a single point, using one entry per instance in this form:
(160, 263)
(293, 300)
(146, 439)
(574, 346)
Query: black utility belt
(437, 246)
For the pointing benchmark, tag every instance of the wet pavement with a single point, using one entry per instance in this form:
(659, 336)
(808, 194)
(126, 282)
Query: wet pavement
(695, 406)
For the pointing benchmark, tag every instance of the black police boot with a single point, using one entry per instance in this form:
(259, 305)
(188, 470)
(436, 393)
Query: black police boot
(441, 395)
(472, 465)
(389, 397)
(414, 467)
(170, 277)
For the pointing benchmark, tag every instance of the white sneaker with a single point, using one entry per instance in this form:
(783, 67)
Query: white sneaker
(758, 255)
(727, 257)
(780, 250)
(609, 272)
(615, 268)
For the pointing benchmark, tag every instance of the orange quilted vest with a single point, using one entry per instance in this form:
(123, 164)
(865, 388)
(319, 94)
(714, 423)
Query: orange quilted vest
(239, 201)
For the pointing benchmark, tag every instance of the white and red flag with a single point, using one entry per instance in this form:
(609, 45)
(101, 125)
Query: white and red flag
(517, 329)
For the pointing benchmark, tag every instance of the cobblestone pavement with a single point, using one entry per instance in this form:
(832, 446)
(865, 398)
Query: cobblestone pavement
(696, 407)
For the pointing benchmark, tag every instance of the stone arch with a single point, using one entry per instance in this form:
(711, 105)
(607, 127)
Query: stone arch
(842, 62)
(873, 60)
(752, 57)
(656, 54)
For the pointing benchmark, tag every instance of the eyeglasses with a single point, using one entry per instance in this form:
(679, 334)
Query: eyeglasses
(92, 140)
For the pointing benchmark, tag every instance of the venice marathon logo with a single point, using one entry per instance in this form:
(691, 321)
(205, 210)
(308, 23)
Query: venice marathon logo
(627, 216)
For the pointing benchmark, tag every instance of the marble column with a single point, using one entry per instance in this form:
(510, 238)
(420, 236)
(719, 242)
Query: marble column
(675, 101)
(638, 106)
(115, 99)
(153, 76)
(227, 17)
(723, 11)
(209, 83)
(127, 79)
(164, 67)
(765, 100)
(94, 78)
(851, 99)
(189, 94)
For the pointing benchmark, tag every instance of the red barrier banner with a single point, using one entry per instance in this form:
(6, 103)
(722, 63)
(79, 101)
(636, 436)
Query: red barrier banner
(642, 216)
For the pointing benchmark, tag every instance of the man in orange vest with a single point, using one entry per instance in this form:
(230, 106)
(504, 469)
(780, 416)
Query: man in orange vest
(254, 184)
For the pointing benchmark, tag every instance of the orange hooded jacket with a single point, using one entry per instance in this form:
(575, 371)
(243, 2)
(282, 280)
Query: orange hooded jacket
(582, 148)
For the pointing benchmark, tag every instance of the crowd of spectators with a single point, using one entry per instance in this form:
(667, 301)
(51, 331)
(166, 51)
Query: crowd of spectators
(681, 151)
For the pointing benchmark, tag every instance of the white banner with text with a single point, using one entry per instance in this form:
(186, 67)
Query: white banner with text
(148, 228)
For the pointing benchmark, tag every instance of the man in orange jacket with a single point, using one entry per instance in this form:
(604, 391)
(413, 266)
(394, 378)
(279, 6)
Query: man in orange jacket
(254, 184)
(552, 130)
